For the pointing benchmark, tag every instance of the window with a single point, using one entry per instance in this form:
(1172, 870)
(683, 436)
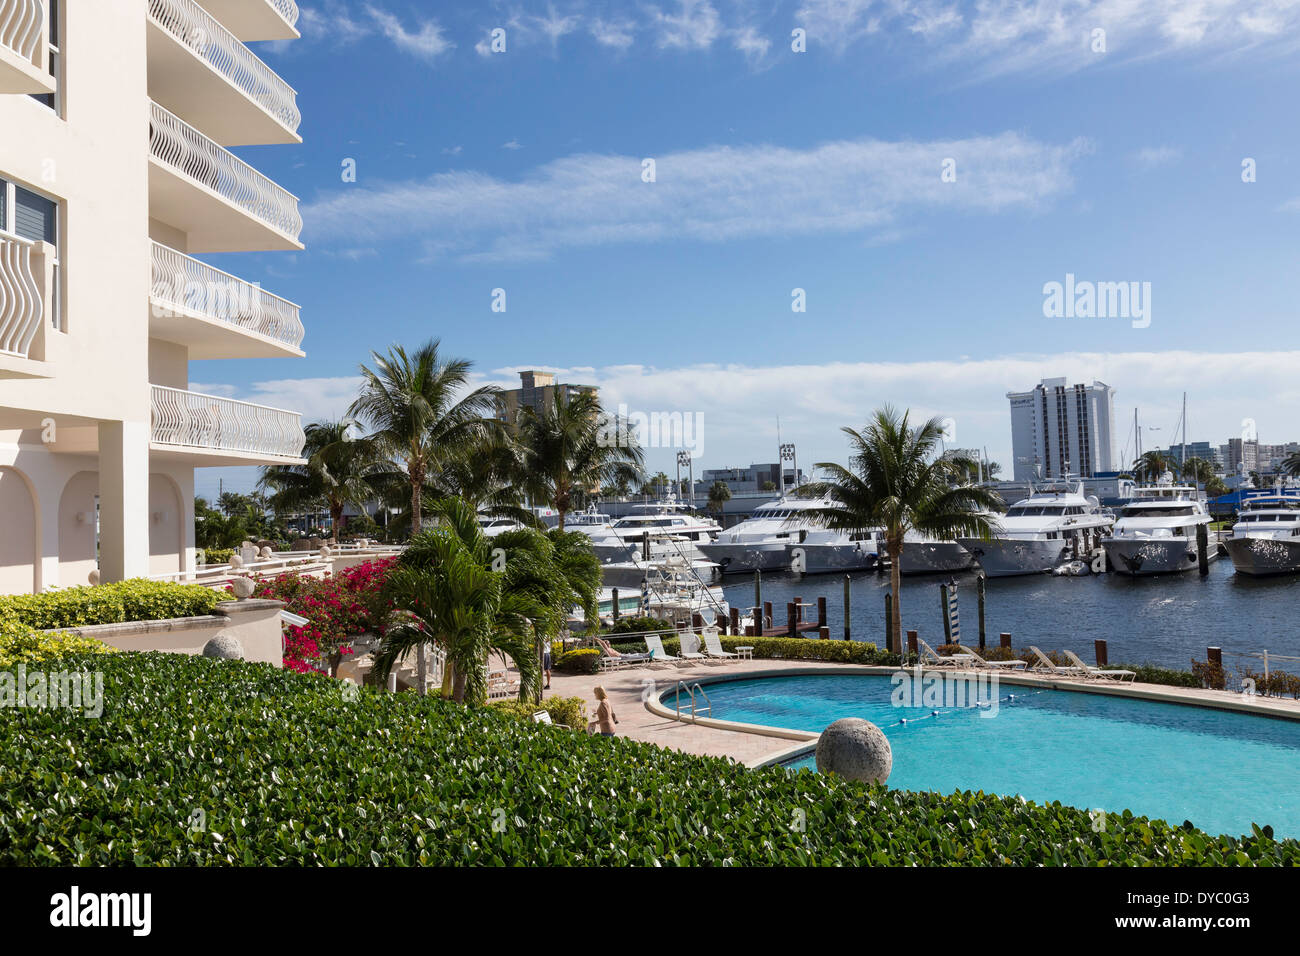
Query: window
(52, 29)
(30, 216)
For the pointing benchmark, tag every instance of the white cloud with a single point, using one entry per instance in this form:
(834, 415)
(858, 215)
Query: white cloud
(1153, 156)
(740, 403)
(426, 40)
(332, 21)
(711, 194)
(692, 25)
(1291, 205)
(616, 34)
(452, 150)
(512, 144)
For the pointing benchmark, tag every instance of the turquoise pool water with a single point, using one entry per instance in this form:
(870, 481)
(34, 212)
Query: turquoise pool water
(1220, 770)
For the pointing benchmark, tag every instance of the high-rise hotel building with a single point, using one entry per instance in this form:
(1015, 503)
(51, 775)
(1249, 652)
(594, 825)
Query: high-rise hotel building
(1059, 429)
(115, 177)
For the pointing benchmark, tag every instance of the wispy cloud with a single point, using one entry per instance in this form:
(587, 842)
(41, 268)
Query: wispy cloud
(426, 40)
(334, 22)
(712, 194)
(1152, 156)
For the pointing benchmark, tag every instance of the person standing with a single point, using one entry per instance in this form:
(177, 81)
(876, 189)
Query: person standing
(605, 718)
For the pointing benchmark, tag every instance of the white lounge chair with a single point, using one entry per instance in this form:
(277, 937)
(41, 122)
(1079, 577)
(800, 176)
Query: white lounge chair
(1011, 665)
(932, 658)
(541, 717)
(713, 645)
(691, 647)
(657, 653)
(1045, 664)
(1104, 673)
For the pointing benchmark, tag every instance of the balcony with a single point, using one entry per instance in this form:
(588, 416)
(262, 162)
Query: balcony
(24, 48)
(259, 20)
(214, 314)
(206, 430)
(222, 203)
(27, 285)
(198, 70)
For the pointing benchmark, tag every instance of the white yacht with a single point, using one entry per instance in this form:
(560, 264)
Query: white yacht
(760, 541)
(828, 551)
(672, 526)
(669, 589)
(1054, 524)
(1266, 537)
(1156, 530)
(494, 526)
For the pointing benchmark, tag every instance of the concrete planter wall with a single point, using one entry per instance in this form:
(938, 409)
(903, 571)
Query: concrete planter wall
(254, 623)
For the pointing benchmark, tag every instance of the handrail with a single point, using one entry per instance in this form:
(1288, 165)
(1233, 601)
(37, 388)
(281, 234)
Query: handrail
(201, 32)
(21, 308)
(287, 9)
(185, 284)
(193, 420)
(690, 691)
(21, 24)
(180, 146)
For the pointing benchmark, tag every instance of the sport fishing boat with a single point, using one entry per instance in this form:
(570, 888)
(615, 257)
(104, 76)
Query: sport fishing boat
(1266, 538)
(1156, 530)
(673, 529)
(1055, 524)
(760, 541)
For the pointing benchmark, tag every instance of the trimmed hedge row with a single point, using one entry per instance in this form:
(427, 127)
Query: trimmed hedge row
(804, 649)
(287, 769)
(134, 600)
(570, 711)
(22, 645)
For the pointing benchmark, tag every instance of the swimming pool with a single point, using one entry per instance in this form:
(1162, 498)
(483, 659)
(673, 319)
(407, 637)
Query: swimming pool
(1219, 769)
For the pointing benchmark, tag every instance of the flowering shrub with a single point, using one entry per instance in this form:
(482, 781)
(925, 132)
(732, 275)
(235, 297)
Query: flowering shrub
(339, 607)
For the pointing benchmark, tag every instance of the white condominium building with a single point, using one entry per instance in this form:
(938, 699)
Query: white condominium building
(1059, 430)
(114, 176)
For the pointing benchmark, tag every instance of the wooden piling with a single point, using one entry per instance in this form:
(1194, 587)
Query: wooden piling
(821, 613)
(758, 588)
(1203, 549)
(846, 609)
(889, 621)
(1004, 640)
(767, 613)
(1214, 655)
(913, 643)
(615, 593)
(979, 590)
(1099, 648)
(824, 633)
(735, 621)
(943, 609)
(791, 619)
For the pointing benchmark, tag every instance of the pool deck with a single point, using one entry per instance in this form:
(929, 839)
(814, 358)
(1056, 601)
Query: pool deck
(635, 692)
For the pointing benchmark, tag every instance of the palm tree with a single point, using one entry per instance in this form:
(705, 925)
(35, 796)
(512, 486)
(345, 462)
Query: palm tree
(337, 473)
(1152, 465)
(567, 450)
(1291, 465)
(421, 416)
(895, 483)
(719, 495)
(1198, 469)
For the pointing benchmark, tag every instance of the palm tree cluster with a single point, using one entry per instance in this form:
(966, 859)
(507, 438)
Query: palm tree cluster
(419, 433)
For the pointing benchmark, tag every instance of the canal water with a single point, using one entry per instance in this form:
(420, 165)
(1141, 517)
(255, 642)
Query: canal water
(1162, 620)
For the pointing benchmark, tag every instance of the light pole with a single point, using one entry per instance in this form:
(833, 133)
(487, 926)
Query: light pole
(684, 458)
(787, 454)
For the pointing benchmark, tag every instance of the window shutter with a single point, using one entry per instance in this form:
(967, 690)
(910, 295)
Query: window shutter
(34, 216)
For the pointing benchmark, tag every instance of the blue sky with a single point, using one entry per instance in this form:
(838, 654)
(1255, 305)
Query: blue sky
(776, 170)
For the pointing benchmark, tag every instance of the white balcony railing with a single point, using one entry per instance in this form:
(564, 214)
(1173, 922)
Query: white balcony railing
(21, 306)
(180, 146)
(21, 25)
(183, 284)
(191, 420)
(287, 9)
(215, 45)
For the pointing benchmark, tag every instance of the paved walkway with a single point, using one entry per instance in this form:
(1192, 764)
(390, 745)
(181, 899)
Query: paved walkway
(629, 689)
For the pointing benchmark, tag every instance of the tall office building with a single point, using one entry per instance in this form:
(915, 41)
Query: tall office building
(114, 176)
(1059, 429)
(537, 390)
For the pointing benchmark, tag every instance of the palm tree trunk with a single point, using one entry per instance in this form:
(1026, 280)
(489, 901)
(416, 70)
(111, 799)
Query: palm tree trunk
(336, 518)
(458, 686)
(415, 507)
(421, 670)
(896, 587)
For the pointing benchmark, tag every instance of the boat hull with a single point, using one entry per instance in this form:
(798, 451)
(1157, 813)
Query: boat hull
(934, 557)
(747, 556)
(830, 558)
(1007, 557)
(1264, 556)
(1142, 556)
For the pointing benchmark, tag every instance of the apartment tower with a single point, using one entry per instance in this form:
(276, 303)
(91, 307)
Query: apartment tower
(115, 178)
(1059, 429)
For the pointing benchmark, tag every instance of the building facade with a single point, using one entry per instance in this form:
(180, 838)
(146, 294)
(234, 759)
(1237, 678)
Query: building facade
(114, 176)
(1059, 429)
(760, 477)
(1240, 456)
(536, 390)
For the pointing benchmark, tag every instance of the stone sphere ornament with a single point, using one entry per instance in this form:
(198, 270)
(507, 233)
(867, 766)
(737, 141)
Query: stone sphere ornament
(855, 749)
(224, 647)
(93, 576)
(243, 588)
(236, 561)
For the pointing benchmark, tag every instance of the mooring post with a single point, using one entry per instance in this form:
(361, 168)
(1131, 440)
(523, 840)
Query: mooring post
(889, 621)
(697, 620)
(614, 594)
(824, 633)
(1004, 640)
(735, 621)
(847, 636)
(758, 588)
(1099, 648)
(645, 545)
(1203, 549)
(791, 618)
(1214, 655)
(767, 614)
(943, 609)
(821, 613)
(913, 643)
(979, 590)
(758, 622)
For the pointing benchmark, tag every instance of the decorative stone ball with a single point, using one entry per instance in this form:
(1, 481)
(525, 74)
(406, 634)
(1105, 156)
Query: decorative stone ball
(325, 551)
(246, 544)
(243, 587)
(224, 647)
(856, 750)
(93, 576)
(236, 561)
(265, 554)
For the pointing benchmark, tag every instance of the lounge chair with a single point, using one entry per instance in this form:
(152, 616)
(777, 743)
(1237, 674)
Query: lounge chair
(1012, 665)
(932, 658)
(1104, 673)
(611, 659)
(657, 653)
(713, 645)
(1045, 664)
(691, 647)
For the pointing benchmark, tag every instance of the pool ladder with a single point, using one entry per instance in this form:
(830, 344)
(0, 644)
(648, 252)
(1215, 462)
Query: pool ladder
(690, 692)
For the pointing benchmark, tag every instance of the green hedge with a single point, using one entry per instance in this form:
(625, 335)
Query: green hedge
(287, 770)
(134, 600)
(582, 660)
(218, 555)
(803, 649)
(570, 711)
(22, 645)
